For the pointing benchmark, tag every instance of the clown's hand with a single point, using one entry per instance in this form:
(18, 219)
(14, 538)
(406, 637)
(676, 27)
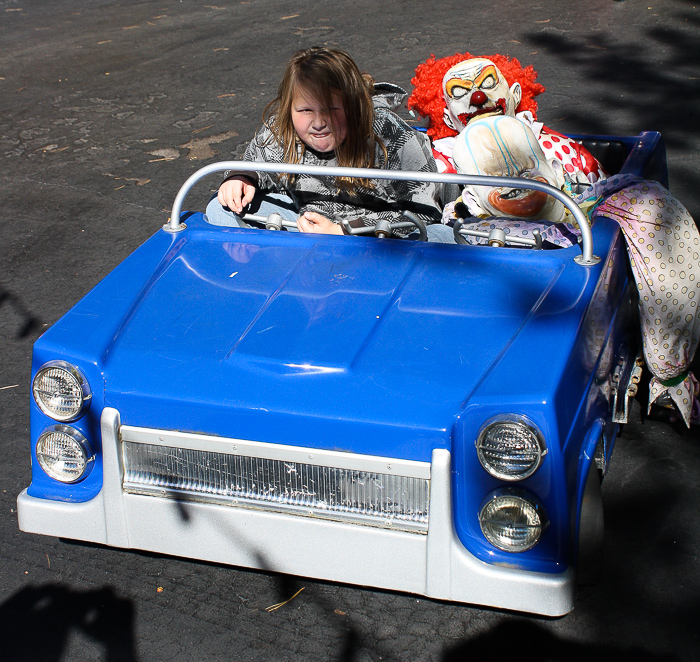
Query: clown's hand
(471, 201)
(576, 183)
(454, 211)
(448, 213)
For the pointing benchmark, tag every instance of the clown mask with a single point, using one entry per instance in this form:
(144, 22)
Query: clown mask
(506, 147)
(476, 88)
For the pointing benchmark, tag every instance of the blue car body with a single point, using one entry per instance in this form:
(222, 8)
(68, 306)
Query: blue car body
(335, 347)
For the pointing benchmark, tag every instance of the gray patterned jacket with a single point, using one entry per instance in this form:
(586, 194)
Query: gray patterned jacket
(407, 149)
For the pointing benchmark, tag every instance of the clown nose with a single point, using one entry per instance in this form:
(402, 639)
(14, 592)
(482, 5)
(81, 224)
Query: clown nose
(478, 98)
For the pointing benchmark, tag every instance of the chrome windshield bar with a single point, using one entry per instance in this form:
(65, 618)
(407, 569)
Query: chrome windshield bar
(587, 258)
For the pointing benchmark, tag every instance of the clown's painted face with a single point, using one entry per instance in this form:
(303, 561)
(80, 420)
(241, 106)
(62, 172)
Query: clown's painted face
(476, 88)
(506, 147)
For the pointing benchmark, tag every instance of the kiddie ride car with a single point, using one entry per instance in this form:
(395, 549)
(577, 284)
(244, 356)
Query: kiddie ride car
(412, 416)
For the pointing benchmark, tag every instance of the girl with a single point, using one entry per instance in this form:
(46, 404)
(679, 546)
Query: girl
(327, 113)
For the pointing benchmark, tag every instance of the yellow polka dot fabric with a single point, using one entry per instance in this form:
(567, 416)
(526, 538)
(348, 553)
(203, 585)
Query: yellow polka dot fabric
(664, 248)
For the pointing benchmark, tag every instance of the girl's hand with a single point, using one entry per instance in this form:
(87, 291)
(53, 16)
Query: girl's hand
(236, 193)
(311, 221)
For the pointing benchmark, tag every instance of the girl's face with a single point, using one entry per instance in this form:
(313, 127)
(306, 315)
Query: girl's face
(321, 129)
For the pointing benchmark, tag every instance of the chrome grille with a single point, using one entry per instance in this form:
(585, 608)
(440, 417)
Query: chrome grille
(368, 497)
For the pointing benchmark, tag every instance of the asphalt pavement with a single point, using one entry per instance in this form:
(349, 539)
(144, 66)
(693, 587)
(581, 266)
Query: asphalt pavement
(106, 107)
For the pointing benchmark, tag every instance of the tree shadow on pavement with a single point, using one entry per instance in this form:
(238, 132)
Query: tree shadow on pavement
(27, 322)
(37, 622)
(656, 79)
(534, 641)
(651, 85)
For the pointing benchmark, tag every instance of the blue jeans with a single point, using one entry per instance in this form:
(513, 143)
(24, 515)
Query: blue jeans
(264, 205)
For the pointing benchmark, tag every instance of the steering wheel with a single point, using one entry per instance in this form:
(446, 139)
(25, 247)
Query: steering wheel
(496, 237)
(382, 229)
(385, 228)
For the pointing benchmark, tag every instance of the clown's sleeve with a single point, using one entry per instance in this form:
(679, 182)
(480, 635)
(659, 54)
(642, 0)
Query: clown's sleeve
(664, 248)
(578, 163)
(442, 153)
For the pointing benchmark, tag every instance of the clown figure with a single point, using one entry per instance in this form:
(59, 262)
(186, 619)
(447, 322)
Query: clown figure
(457, 90)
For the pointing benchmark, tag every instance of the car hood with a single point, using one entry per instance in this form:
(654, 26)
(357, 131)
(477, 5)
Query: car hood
(285, 335)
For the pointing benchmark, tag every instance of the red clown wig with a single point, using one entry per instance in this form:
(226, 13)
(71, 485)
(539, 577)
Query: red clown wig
(428, 100)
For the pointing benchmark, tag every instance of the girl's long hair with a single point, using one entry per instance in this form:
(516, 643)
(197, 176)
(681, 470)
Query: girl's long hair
(320, 73)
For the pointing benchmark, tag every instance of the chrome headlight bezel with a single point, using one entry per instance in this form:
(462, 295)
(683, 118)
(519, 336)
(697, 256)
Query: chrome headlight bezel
(528, 532)
(488, 451)
(83, 456)
(80, 386)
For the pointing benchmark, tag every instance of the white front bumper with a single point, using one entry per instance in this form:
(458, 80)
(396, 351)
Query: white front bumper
(435, 565)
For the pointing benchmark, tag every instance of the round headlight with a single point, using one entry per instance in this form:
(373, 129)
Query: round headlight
(512, 522)
(61, 391)
(510, 447)
(64, 454)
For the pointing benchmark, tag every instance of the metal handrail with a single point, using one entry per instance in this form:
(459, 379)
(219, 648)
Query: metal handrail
(587, 258)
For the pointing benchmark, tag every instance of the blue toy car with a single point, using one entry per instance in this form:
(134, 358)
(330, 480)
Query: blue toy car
(419, 417)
